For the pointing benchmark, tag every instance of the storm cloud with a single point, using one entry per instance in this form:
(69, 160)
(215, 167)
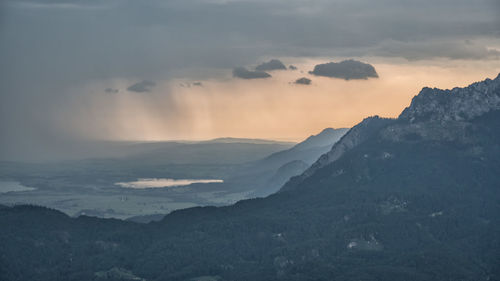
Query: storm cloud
(461, 50)
(141, 87)
(303, 81)
(348, 70)
(243, 73)
(273, 64)
(111, 90)
(88, 41)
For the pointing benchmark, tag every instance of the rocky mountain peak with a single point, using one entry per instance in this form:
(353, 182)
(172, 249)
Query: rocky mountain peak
(458, 104)
(424, 118)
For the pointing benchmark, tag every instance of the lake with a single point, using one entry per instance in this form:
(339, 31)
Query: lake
(161, 183)
(13, 186)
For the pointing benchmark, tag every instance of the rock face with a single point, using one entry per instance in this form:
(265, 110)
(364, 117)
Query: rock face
(445, 115)
(458, 104)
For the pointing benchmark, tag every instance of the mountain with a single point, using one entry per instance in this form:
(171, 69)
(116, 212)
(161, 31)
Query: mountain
(245, 140)
(327, 137)
(308, 150)
(288, 170)
(359, 133)
(458, 104)
(412, 198)
(433, 114)
(271, 172)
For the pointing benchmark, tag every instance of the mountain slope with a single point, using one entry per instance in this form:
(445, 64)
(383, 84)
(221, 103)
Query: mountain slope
(270, 173)
(352, 138)
(308, 150)
(288, 170)
(401, 199)
(325, 138)
(432, 114)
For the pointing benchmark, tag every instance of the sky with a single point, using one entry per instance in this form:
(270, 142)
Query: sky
(151, 70)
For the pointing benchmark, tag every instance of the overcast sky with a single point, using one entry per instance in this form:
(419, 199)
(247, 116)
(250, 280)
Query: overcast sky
(68, 69)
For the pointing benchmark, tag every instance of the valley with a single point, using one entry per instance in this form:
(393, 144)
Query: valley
(229, 170)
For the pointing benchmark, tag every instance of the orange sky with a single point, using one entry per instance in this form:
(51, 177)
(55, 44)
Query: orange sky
(263, 108)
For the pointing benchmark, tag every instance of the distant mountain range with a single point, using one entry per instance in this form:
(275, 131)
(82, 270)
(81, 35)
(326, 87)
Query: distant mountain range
(308, 150)
(218, 151)
(245, 140)
(121, 149)
(235, 150)
(292, 162)
(412, 198)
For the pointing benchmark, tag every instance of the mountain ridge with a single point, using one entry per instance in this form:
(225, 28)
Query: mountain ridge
(315, 145)
(457, 104)
(441, 107)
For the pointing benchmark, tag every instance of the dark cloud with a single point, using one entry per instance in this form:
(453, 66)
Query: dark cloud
(460, 50)
(165, 39)
(303, 81)
(141, 87)
(292, 67)
(273, 64)
(243, 73)
(111, 90)
(188, 84)
(348, 69)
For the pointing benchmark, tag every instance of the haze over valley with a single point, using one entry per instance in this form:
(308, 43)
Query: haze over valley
(178, 174)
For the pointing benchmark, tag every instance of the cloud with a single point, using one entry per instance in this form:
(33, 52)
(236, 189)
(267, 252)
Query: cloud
(292, 67)
(243, 73)
(111, 90)
(141, 87)
(303, 81)
(459, 50)
(347, 69)
(188, 84)
(273, 64)
(191, 40)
